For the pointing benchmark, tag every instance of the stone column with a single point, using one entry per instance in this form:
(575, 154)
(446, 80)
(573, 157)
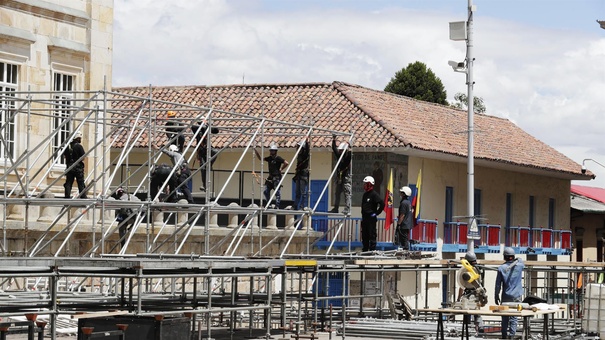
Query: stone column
(233, 217)
(271, 221)
(182, 216)
(254, 224)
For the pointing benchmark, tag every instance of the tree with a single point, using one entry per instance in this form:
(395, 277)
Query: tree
(462, 103)
(418, 82)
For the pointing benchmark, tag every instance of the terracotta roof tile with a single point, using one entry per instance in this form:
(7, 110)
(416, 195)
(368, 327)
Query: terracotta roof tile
(377, 119)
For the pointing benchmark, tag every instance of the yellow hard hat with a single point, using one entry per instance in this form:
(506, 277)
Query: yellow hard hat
(171, 113)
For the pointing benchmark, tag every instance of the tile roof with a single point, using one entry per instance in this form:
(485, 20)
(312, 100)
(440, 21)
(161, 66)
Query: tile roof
(377, 119)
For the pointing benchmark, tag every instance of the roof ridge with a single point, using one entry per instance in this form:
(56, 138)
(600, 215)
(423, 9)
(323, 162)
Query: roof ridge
(320, 84)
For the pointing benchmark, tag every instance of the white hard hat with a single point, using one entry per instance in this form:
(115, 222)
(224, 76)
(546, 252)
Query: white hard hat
(406, 190)
(78, 134)
(369, 179)
(173, 148)
(273, 147)
(342, 146)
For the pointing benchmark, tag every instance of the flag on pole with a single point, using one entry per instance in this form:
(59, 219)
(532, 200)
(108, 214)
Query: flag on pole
(416, 200)
(388, 203)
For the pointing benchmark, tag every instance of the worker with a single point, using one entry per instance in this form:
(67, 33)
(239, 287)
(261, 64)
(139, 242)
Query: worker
(343, 175)
(182, 172)
(175, 131)
(202, 151)
(471, 257)
(404, 220)
(160, 175)
(277, 165)
(508, 280)
(371, 206)
(301, 175)
(74, 159)
(124, 216)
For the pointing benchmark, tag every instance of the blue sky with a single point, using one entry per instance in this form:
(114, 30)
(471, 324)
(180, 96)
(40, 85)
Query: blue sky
(540, 63)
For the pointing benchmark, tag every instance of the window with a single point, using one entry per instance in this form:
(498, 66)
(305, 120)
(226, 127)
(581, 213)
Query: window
(508, 219)
(8, 86)
(449, 204)
(551, 213)
(477, 202)
(532, 211)
(63, 84)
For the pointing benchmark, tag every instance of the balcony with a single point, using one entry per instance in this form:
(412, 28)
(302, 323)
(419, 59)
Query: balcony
(346, 234)
(524, 240)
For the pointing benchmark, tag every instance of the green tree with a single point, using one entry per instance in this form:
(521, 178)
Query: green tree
(418, 82)
(462, 103)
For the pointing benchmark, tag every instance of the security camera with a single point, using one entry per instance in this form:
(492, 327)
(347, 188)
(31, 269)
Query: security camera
(583, 169)
(456, 65)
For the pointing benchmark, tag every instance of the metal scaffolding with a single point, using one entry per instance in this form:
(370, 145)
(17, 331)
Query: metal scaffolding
(118, 129)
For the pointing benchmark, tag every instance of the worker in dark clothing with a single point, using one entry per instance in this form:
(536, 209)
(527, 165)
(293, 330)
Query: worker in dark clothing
(182, 173)
(159, 175)
(343, 176)
(74, 155)
(124, 216)
(276, 168)
(202, 151)
(301, 176)
(371, 206)
(509, 280)
(405, 219)
(175, 128)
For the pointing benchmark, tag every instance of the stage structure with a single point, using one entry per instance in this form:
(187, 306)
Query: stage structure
(124, 137)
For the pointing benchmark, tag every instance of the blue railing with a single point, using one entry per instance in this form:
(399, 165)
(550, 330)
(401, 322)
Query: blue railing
(346, 234)
(524, 240)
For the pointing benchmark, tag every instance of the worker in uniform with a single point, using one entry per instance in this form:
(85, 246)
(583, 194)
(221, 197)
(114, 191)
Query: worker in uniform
(371, 206)
(174, 129)
(182, 172)
(405, 219)
(124, 216)
(198, 131)
(343, 175)
(276, 168)
(74, 156)
(301, 175)
(159, 175)
(471, 257)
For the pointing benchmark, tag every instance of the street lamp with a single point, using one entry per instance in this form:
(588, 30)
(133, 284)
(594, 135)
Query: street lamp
(589, 159)
(464, 31)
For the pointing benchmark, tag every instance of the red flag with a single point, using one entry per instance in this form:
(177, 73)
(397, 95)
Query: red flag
(388, 203)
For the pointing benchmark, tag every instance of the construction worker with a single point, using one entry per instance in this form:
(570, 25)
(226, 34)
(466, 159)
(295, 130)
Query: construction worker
(405, 219)
(202, 152)
(174, 129)
(343, 175)
(159, 175)
(371, 206)
(471, 257)
(124, 216)
(509, 280)
(74, 156)
(301, 176)
(276, 166)
(182, 172)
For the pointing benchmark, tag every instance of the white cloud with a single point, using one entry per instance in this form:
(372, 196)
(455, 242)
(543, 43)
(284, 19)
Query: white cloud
(548, 81)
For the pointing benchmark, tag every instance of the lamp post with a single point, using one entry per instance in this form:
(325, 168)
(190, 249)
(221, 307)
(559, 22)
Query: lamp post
(457, 33)
(589, 159)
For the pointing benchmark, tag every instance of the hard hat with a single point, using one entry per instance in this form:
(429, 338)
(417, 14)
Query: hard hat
(171, 113)
(173, 148)
(406, 190)
(342, 146)
(508, 251)
(369, 179)
(470, 256)
(78, 134)
(273, 147)
(119, 191)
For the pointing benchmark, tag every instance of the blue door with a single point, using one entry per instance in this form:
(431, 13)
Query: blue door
(319, 223)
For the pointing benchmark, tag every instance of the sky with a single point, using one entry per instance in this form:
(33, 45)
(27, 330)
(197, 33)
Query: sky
(538, 63)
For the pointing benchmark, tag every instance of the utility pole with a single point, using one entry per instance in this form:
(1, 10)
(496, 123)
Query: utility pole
(464, 31)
